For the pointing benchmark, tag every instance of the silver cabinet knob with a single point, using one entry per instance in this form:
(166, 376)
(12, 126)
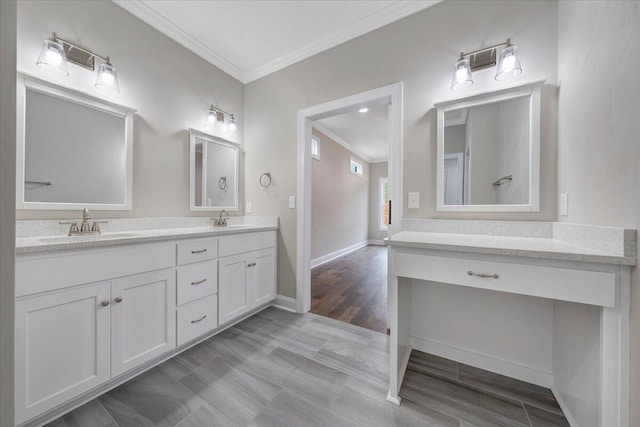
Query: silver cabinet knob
(105, 303)
(119, 299)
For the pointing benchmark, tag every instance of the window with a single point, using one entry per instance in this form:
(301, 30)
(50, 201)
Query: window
(315, 148)
(384, 204)
(355, 167)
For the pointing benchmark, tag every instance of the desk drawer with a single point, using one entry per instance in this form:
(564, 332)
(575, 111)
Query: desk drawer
(197, 318)
(242, 243)
(197, 280)
(197, 250)
(566, 284)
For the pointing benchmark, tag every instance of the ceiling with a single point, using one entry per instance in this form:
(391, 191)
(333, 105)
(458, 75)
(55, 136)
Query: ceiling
(364, 134)
(250, 39)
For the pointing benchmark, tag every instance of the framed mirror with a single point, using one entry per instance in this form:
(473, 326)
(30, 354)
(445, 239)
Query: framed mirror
(213, 172)
(488, 154)
(74, 151)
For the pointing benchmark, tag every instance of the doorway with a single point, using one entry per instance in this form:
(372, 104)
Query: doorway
(390, 95)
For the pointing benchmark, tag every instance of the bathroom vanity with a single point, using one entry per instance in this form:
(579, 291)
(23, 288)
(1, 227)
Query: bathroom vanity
(94, 311)
(547, 261)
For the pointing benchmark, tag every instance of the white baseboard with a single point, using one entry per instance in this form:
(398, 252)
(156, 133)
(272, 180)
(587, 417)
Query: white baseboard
(483, 361)
(285, 303)
(376, 242)
(337, 254)
(565, 408)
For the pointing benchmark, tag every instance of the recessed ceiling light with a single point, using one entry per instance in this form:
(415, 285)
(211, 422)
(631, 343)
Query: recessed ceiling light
(363, 110)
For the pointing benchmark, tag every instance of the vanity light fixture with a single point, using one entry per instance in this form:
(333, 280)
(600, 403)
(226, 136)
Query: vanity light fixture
(221, 119)
(56, 52)
(508, 63)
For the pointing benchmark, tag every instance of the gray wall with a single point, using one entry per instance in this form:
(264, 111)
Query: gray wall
(376, 171)
(339, 200)
(7, 205)
(420, 51)
(599, 164)
(482, 138)
(513, 150)
(170, 87)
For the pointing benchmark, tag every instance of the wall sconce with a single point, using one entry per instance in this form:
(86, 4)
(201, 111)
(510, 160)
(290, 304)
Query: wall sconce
(221, 119)
(55, 53)
(508, 64)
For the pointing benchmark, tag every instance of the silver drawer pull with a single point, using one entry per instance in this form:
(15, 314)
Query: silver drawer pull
(105, 303)
(199, 252)
(485, 276)
(198, 282)
(199, 320)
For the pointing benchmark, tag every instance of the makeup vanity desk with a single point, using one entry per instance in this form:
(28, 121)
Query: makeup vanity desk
(557, 261)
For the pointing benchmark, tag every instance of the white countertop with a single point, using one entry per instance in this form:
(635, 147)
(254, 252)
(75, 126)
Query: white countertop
(546, 247)
(48, 243)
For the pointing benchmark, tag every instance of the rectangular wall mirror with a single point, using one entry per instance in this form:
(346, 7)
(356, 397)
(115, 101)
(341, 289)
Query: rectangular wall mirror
(214, 173)
(73, 150)
(488, 156)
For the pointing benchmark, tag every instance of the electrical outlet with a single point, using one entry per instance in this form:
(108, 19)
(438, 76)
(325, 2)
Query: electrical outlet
(564, 204)
(292, 202)
(413, 200)
(248, 208)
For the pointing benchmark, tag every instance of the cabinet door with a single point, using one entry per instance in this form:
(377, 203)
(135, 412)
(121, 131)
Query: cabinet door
(62, 347)
(233, 295)
(143, 318)
(263, 276)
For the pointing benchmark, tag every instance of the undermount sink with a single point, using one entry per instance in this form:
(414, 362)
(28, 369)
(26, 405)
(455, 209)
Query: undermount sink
(86, 237)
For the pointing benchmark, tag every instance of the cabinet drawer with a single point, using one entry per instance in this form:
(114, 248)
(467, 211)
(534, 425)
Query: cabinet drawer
(241, 243)
(197, 250)
(197, 318)
(197, 281)
(565, 284)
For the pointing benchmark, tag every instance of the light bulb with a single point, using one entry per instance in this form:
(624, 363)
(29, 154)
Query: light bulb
(508, 63)
(211, 117)
(107, 78)
(232, 126)
(53, 58)
(461, 75)
(363, 110)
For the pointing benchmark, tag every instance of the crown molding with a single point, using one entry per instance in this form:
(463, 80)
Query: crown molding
(340, 141)
(160, 23)
(399, 10)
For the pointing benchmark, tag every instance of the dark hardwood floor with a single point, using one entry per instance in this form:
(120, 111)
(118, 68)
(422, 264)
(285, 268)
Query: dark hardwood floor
(353, 288)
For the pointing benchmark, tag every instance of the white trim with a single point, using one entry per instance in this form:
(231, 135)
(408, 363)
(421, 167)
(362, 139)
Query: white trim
(193, 134)
(532, 90)
(376, 242)
(26, 82)
(160, 23)
(392, 13)
(337, 254)
(304, 124)
(379, 160)
(285, 303)
(483, 361)
(566, 410)
(317, 126)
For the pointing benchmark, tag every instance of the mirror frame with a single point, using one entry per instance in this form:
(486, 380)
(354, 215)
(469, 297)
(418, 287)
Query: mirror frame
(26, 82)
(531, 90)
(193, 134)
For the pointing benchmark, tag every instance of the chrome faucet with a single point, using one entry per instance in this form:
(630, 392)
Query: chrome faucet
(221, 221)
(84, 227)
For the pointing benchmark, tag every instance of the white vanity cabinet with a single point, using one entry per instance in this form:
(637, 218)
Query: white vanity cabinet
(62, 347)
(89, 317)
(247, 274)
(143, 319)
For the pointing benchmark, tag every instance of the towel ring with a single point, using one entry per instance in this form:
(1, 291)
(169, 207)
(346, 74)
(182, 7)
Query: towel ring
(265, 179)
(222, 183)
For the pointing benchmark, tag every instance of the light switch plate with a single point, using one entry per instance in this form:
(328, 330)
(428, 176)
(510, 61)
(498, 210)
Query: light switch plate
(564, 204)
(413, 200)
(248, 207)
(292, 202)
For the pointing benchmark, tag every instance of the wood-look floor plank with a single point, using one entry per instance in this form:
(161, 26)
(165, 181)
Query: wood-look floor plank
(353, 288)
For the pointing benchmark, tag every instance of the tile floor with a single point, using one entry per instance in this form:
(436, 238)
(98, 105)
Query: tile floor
(282, 369)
